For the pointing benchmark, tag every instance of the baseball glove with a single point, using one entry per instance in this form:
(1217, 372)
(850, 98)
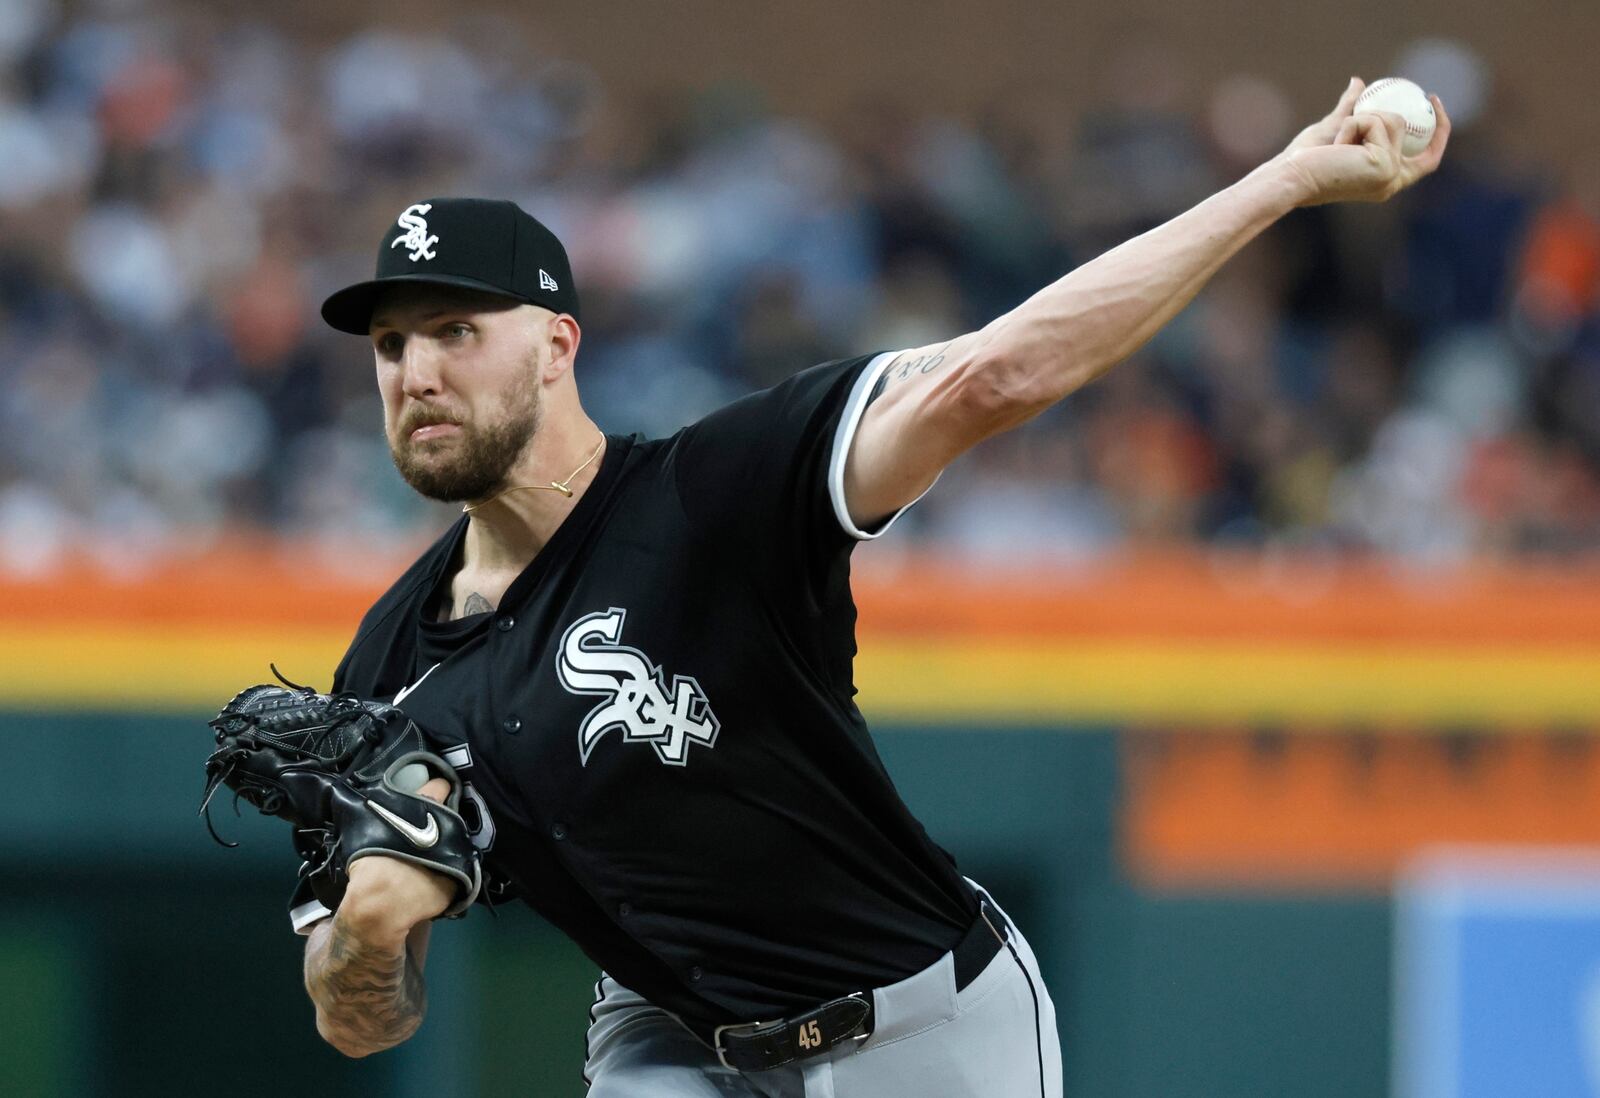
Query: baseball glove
(344, 773)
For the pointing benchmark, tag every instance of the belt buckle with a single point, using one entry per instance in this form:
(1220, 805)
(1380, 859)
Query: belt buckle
(716, 1039)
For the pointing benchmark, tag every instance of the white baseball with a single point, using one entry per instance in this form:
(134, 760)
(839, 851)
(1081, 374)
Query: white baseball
(410, 777)
(1396, 95)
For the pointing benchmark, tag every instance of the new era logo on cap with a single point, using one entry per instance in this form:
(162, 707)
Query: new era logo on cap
(473, 243)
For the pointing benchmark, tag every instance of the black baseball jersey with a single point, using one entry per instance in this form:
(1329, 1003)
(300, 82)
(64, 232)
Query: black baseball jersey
(658, 725)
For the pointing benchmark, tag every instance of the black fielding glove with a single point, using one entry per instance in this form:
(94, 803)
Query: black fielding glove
(344, 772)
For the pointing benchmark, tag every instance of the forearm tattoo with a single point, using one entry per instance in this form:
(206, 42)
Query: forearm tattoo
(907, 366)
(370, 999)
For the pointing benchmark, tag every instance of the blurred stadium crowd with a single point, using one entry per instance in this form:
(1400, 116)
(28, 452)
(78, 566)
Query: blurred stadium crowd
(176, 197)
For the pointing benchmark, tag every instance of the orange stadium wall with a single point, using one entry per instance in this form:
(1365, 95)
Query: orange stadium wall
(1274, 709)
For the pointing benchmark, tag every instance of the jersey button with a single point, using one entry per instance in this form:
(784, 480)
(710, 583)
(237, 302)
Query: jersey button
(512, 725)
(505, 624)
(558, 831)
(624, 909)
(695, 973)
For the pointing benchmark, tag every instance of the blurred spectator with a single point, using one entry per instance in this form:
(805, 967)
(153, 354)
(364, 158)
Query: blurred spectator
(180, 191)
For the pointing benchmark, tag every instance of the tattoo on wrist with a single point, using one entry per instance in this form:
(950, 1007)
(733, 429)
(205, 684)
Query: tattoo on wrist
(370, 998)
(476, 604)
(904, 367)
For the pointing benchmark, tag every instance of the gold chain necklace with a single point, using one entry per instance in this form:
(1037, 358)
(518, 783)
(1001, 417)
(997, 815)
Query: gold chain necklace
(562, 486)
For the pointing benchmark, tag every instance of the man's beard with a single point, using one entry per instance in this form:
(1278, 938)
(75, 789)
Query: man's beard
(483, 455)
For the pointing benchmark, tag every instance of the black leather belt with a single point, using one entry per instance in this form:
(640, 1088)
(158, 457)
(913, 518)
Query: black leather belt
(761, 1046)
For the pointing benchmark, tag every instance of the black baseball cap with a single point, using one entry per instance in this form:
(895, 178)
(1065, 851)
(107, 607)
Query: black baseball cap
(477, 243)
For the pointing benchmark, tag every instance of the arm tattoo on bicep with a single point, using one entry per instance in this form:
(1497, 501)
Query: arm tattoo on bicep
(371, 998)
(906, 366)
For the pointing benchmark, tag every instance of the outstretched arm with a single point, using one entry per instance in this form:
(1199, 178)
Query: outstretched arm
(940, 401)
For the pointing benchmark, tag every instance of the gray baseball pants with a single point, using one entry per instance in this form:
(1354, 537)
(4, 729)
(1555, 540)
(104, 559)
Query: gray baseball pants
(996, 1038)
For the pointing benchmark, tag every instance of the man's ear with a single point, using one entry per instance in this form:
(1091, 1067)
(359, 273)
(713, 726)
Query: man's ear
(563, 336)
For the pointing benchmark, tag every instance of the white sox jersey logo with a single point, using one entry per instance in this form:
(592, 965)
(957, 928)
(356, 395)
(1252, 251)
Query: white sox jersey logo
(416, 227)
(592, 661)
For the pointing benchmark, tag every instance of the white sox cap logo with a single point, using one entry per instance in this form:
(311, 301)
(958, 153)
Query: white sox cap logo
(416, 227)
(591, 661)
(423, 837)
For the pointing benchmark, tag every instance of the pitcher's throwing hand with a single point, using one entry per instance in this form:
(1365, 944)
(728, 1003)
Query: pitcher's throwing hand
(1350, 157)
